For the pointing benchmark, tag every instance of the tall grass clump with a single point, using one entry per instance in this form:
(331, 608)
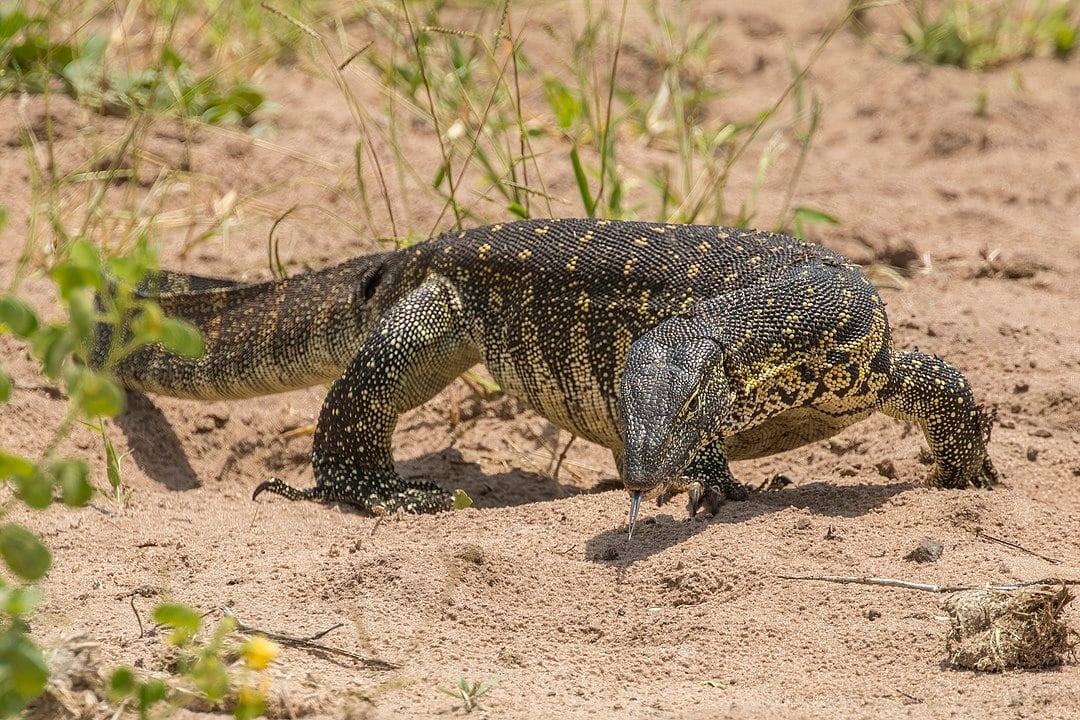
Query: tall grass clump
(982, 34)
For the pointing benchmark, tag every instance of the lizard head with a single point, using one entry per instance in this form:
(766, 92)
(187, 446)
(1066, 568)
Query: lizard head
(673, 401)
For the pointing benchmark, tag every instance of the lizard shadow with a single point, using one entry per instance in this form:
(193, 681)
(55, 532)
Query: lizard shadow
(159, 452)
(660, 531)
(487, 490)
(155, 446)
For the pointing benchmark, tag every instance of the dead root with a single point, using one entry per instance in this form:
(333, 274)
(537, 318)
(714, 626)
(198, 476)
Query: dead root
(992, 630)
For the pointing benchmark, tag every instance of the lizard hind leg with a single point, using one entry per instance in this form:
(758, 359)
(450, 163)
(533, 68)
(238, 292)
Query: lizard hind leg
(416, 349)
(936, 396)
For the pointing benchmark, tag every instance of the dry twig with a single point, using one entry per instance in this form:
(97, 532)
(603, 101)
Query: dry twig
(925, 587)
(309, 643)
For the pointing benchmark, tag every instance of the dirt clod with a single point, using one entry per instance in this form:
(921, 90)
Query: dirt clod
(927, 551)
(996, 630)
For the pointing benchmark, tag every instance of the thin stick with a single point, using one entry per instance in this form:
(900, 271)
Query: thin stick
(909, 696)
(309, 644)
(562, 457)
(990, 538)
(136, 611)
(925, 587)
(327, 631)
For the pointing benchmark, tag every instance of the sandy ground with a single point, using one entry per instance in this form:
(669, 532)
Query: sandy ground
(536, 585)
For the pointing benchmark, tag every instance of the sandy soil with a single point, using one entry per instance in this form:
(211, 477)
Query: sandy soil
(536, 585)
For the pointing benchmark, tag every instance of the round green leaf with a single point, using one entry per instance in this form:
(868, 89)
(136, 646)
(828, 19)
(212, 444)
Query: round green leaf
(181, 337)
(34, 489)
(81, 314)
(122, 682)
(151, 693)
(25, 671)
(184, 621)
(461, 500)
(5, 386)
(17, 315)
(73, 478)
(17, 601)
(80, 269)
(23, 553)
(15, 466)
(52, 345)
(96, 393)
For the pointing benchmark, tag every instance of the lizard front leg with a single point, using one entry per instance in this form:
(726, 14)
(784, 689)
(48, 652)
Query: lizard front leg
(417, 348)
(708, 482)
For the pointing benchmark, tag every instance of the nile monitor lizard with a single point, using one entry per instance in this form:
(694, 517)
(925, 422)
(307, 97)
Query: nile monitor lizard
(678, 347)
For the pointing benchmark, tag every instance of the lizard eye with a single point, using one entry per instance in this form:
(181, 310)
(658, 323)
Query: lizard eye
(692, 404)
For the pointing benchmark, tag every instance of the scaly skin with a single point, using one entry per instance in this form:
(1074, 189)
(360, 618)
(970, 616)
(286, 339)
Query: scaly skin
(678, 347)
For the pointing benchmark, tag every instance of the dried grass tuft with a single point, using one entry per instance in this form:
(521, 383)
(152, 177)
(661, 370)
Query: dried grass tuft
(994, 630)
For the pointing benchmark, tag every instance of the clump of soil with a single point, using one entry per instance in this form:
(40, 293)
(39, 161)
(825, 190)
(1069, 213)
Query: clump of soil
(994, 630)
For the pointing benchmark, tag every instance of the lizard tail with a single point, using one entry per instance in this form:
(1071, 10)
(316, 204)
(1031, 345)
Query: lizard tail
(258, 338)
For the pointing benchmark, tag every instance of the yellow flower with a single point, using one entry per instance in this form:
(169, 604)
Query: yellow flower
(259, 652)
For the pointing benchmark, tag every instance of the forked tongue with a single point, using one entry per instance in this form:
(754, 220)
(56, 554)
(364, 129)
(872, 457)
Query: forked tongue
(635, 507)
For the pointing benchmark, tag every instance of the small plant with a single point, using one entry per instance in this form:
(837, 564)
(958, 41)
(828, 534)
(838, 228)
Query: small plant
(978, 34)
(469, 693)
(30, 61)
(62, 349)
(203, 669)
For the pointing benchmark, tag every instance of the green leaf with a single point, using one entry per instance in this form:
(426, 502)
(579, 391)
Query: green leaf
(133, 265)
(151, 693)
(17, 602)
(81, 314)
(112, 463)
(102, 396)
(17, 315)
(34, 489)
(15, 466)
(440, 176)
(1065, 38)
(562, 102)
(122, 682)
(461, 500)
(52, 345)
(183, 620)
(5, 386)
(94, 392)
(73, 478)
(80, 269)
(249, 704)
(181, 337)
(805, 214)
(23, 553)
(582, 183)
(24, 671)
(146, 327)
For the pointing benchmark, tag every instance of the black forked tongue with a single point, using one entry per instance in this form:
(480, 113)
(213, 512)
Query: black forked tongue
(635, 507)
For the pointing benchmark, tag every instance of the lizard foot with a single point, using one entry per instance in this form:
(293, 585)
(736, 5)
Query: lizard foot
(382, 494)
(984, 476)
(710, 494)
